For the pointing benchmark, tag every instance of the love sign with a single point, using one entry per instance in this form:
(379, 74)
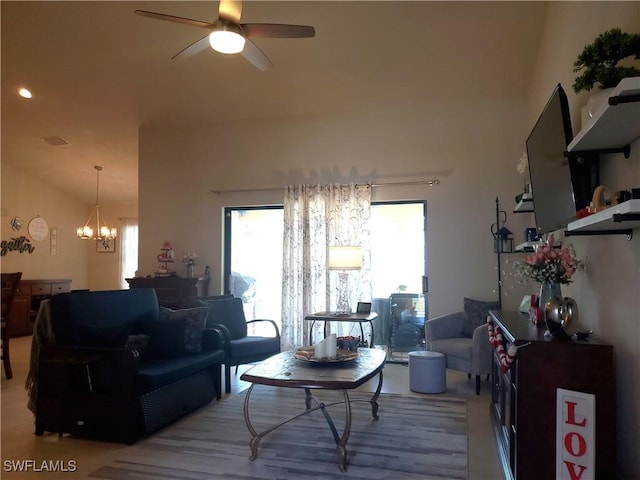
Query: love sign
(575, 435)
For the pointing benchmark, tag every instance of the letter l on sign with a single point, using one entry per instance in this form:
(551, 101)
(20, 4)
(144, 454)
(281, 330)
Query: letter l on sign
(575, 435)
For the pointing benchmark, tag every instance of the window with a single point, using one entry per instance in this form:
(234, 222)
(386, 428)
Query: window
(128, 250)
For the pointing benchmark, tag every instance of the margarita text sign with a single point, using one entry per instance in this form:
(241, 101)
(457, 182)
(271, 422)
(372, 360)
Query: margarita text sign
(575, 435)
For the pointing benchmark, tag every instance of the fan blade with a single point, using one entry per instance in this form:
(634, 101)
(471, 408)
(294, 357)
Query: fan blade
(252, 53)
(174, 19)
(275, 30)
(231, 10)
(196, 47)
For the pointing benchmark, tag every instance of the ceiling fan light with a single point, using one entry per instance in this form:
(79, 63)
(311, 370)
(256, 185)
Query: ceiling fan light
(227, 39)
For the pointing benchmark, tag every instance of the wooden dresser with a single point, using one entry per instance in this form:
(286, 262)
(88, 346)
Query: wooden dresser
(27, 302)
(173, 292)
(523, 400)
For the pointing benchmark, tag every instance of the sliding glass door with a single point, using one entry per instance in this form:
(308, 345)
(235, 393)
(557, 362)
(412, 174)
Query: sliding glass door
(253, 259)
(398, 275)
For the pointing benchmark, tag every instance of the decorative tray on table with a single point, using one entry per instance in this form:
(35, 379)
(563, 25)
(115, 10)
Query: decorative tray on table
(307, 354)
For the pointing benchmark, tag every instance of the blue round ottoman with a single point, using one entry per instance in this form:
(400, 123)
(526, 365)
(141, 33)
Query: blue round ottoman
(427, 372)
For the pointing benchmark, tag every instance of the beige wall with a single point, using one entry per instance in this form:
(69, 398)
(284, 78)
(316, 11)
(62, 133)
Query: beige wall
(26, 196)
(608, 294)
(472, 153)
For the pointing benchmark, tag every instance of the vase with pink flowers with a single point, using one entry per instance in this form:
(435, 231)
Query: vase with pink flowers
(552, 266)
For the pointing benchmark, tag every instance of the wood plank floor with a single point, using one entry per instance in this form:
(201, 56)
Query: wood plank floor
(18, 441)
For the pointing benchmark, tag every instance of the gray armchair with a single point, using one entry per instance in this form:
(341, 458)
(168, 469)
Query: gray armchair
(449, 334)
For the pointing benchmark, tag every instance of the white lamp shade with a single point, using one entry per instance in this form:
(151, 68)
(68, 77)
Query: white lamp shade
(108, 232)
(345, 258)
(85, 232)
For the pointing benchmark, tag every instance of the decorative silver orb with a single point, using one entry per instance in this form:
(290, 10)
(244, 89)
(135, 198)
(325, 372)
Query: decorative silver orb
(561, 317)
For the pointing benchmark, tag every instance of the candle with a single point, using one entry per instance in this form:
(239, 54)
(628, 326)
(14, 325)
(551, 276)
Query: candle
(320, 349)
(331, 347)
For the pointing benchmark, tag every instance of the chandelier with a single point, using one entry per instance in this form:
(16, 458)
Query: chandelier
(103, 232)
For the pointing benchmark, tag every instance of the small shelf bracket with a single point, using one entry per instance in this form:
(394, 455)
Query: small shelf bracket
(625, 217)
(615, 100)
(626, 151)
(584, 233)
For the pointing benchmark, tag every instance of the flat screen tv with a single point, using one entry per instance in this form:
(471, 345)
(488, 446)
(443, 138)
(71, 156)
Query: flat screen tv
(561, 184)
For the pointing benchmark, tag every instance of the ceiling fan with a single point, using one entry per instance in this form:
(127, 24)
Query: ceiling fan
(227, 35)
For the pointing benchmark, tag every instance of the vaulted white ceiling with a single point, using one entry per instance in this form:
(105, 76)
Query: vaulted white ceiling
(98, 72)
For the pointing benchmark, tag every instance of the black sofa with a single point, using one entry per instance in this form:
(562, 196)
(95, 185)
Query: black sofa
(121, 367)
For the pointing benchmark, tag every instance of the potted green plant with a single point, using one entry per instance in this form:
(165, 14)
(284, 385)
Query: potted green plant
(598, 62)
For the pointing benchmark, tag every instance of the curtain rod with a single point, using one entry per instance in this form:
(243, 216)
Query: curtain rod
(430, 183)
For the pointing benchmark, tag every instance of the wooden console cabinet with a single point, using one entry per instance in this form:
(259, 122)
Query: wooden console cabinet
(523, 400)
(27, 302)
(173, 292)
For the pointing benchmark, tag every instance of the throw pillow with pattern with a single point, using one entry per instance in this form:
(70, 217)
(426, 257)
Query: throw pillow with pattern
(194, 320)
(476, 312)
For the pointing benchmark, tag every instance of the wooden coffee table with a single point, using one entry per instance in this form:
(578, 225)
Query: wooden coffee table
(284, 370)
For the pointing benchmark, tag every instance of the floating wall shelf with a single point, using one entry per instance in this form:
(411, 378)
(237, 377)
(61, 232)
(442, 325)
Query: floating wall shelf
(616, 123)
(612, 129)
(524, 206)
(619, 219)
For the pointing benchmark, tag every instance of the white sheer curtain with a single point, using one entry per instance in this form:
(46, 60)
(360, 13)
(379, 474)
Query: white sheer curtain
(316, 216)
(128, 250)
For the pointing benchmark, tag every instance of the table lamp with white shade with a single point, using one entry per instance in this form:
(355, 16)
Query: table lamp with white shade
(342, 259)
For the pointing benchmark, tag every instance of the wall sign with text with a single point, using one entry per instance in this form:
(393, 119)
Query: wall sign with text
(575, 435)
(17, 244)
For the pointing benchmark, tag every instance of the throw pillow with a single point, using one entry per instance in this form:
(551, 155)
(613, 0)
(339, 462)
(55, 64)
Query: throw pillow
(177, 332)
(476, 312)
(195, 319)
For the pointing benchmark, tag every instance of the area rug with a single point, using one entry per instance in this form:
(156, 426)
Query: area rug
(413, 439)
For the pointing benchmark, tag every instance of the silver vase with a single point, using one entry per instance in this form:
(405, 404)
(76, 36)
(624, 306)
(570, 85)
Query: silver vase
(548, 292)
(562, 317)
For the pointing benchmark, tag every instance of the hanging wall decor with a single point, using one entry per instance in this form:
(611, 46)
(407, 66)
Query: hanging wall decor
(106, 245)
(38, 228)
(53, 241)
(16, 224)
(16, 244)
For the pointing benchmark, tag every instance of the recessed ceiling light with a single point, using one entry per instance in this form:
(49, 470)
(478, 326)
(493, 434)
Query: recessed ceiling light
(23, 92)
